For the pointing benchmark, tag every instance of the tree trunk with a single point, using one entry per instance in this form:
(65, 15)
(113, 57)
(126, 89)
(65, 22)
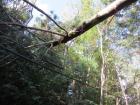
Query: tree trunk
(102, 77)
(138, 95)
(117, 101)
(102, 86)
(122, 87)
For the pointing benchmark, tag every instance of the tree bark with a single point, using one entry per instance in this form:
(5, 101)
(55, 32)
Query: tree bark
(122, 87)
(102, 75)
(98, 18)
(138, 95)
(117, 101)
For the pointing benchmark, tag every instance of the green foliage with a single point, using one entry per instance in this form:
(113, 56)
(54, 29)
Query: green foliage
(92, 94)
(107, 1)
(87, 10)
(33, 75)
(23, 82)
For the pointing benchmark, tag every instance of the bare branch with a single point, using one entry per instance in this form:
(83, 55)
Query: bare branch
(40, 44)
(8, 63)
(45, 15)
(14, 19)
(98, 18)
(43, 66)
(32, 28)
(4, 58)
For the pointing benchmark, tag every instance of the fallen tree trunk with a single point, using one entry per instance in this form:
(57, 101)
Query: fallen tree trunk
(98, 18)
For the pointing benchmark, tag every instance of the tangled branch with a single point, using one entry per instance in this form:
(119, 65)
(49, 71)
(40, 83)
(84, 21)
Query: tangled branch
(45, 15)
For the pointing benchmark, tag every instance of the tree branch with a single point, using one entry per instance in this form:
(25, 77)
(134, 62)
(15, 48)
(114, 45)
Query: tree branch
(32, 28)
(98, 18)
(43, 66)
(45, 14)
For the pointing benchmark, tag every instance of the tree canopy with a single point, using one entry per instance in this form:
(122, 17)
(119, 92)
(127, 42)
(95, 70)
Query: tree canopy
(45, 64)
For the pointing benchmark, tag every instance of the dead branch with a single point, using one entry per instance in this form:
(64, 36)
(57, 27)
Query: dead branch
(32, 28)
(98, 18)
(43, 66)
(45, 15)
